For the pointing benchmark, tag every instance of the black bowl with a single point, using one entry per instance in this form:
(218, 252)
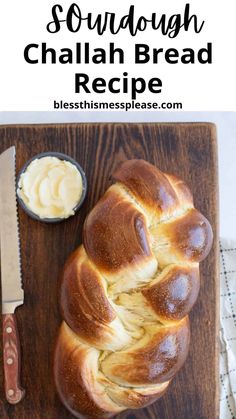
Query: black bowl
(60, 156)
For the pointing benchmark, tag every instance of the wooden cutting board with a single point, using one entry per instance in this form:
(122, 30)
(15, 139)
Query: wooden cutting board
(187, 150)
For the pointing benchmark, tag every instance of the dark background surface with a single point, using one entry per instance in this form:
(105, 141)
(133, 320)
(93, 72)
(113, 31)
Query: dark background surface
(187, 150)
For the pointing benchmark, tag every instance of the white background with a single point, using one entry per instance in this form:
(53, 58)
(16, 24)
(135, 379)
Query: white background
(199, 87)
(226, 127)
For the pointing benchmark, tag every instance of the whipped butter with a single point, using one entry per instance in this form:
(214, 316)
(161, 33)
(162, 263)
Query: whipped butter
(50, 187)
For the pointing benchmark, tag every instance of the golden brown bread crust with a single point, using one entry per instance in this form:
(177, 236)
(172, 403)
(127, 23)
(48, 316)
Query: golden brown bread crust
(148, 184)
(85, 306)
(158, 357)
(135, 398)
(74, 379)
(187, 238)
(81, 388)
(115, 233)
(174, 292)
(126, 294)
(81, 313)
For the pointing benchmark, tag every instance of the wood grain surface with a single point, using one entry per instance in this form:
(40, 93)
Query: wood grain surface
(187, 150)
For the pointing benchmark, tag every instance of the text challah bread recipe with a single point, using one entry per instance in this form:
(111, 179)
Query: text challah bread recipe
(126, 293)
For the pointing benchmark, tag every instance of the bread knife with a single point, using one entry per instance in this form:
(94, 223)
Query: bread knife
(11, 285)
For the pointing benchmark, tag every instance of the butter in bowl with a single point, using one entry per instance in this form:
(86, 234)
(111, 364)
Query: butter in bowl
(51, 187)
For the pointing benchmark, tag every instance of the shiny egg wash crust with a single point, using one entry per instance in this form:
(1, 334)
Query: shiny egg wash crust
(126, 293)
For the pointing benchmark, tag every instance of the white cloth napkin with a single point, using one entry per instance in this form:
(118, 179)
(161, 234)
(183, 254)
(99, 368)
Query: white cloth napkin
(227, 329)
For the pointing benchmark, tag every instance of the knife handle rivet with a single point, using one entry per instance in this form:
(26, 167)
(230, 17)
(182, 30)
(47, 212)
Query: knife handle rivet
(9, 329)
(9, 361)
(10, 392)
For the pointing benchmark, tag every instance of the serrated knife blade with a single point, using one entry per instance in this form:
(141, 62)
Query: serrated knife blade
(11, 285)
(12, 292)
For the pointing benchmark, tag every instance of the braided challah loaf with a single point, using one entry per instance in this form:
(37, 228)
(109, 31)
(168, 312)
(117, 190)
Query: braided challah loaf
(126, 293)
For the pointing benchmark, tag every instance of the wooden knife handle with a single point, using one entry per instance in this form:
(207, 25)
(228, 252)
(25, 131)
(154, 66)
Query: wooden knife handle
(11, 359)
